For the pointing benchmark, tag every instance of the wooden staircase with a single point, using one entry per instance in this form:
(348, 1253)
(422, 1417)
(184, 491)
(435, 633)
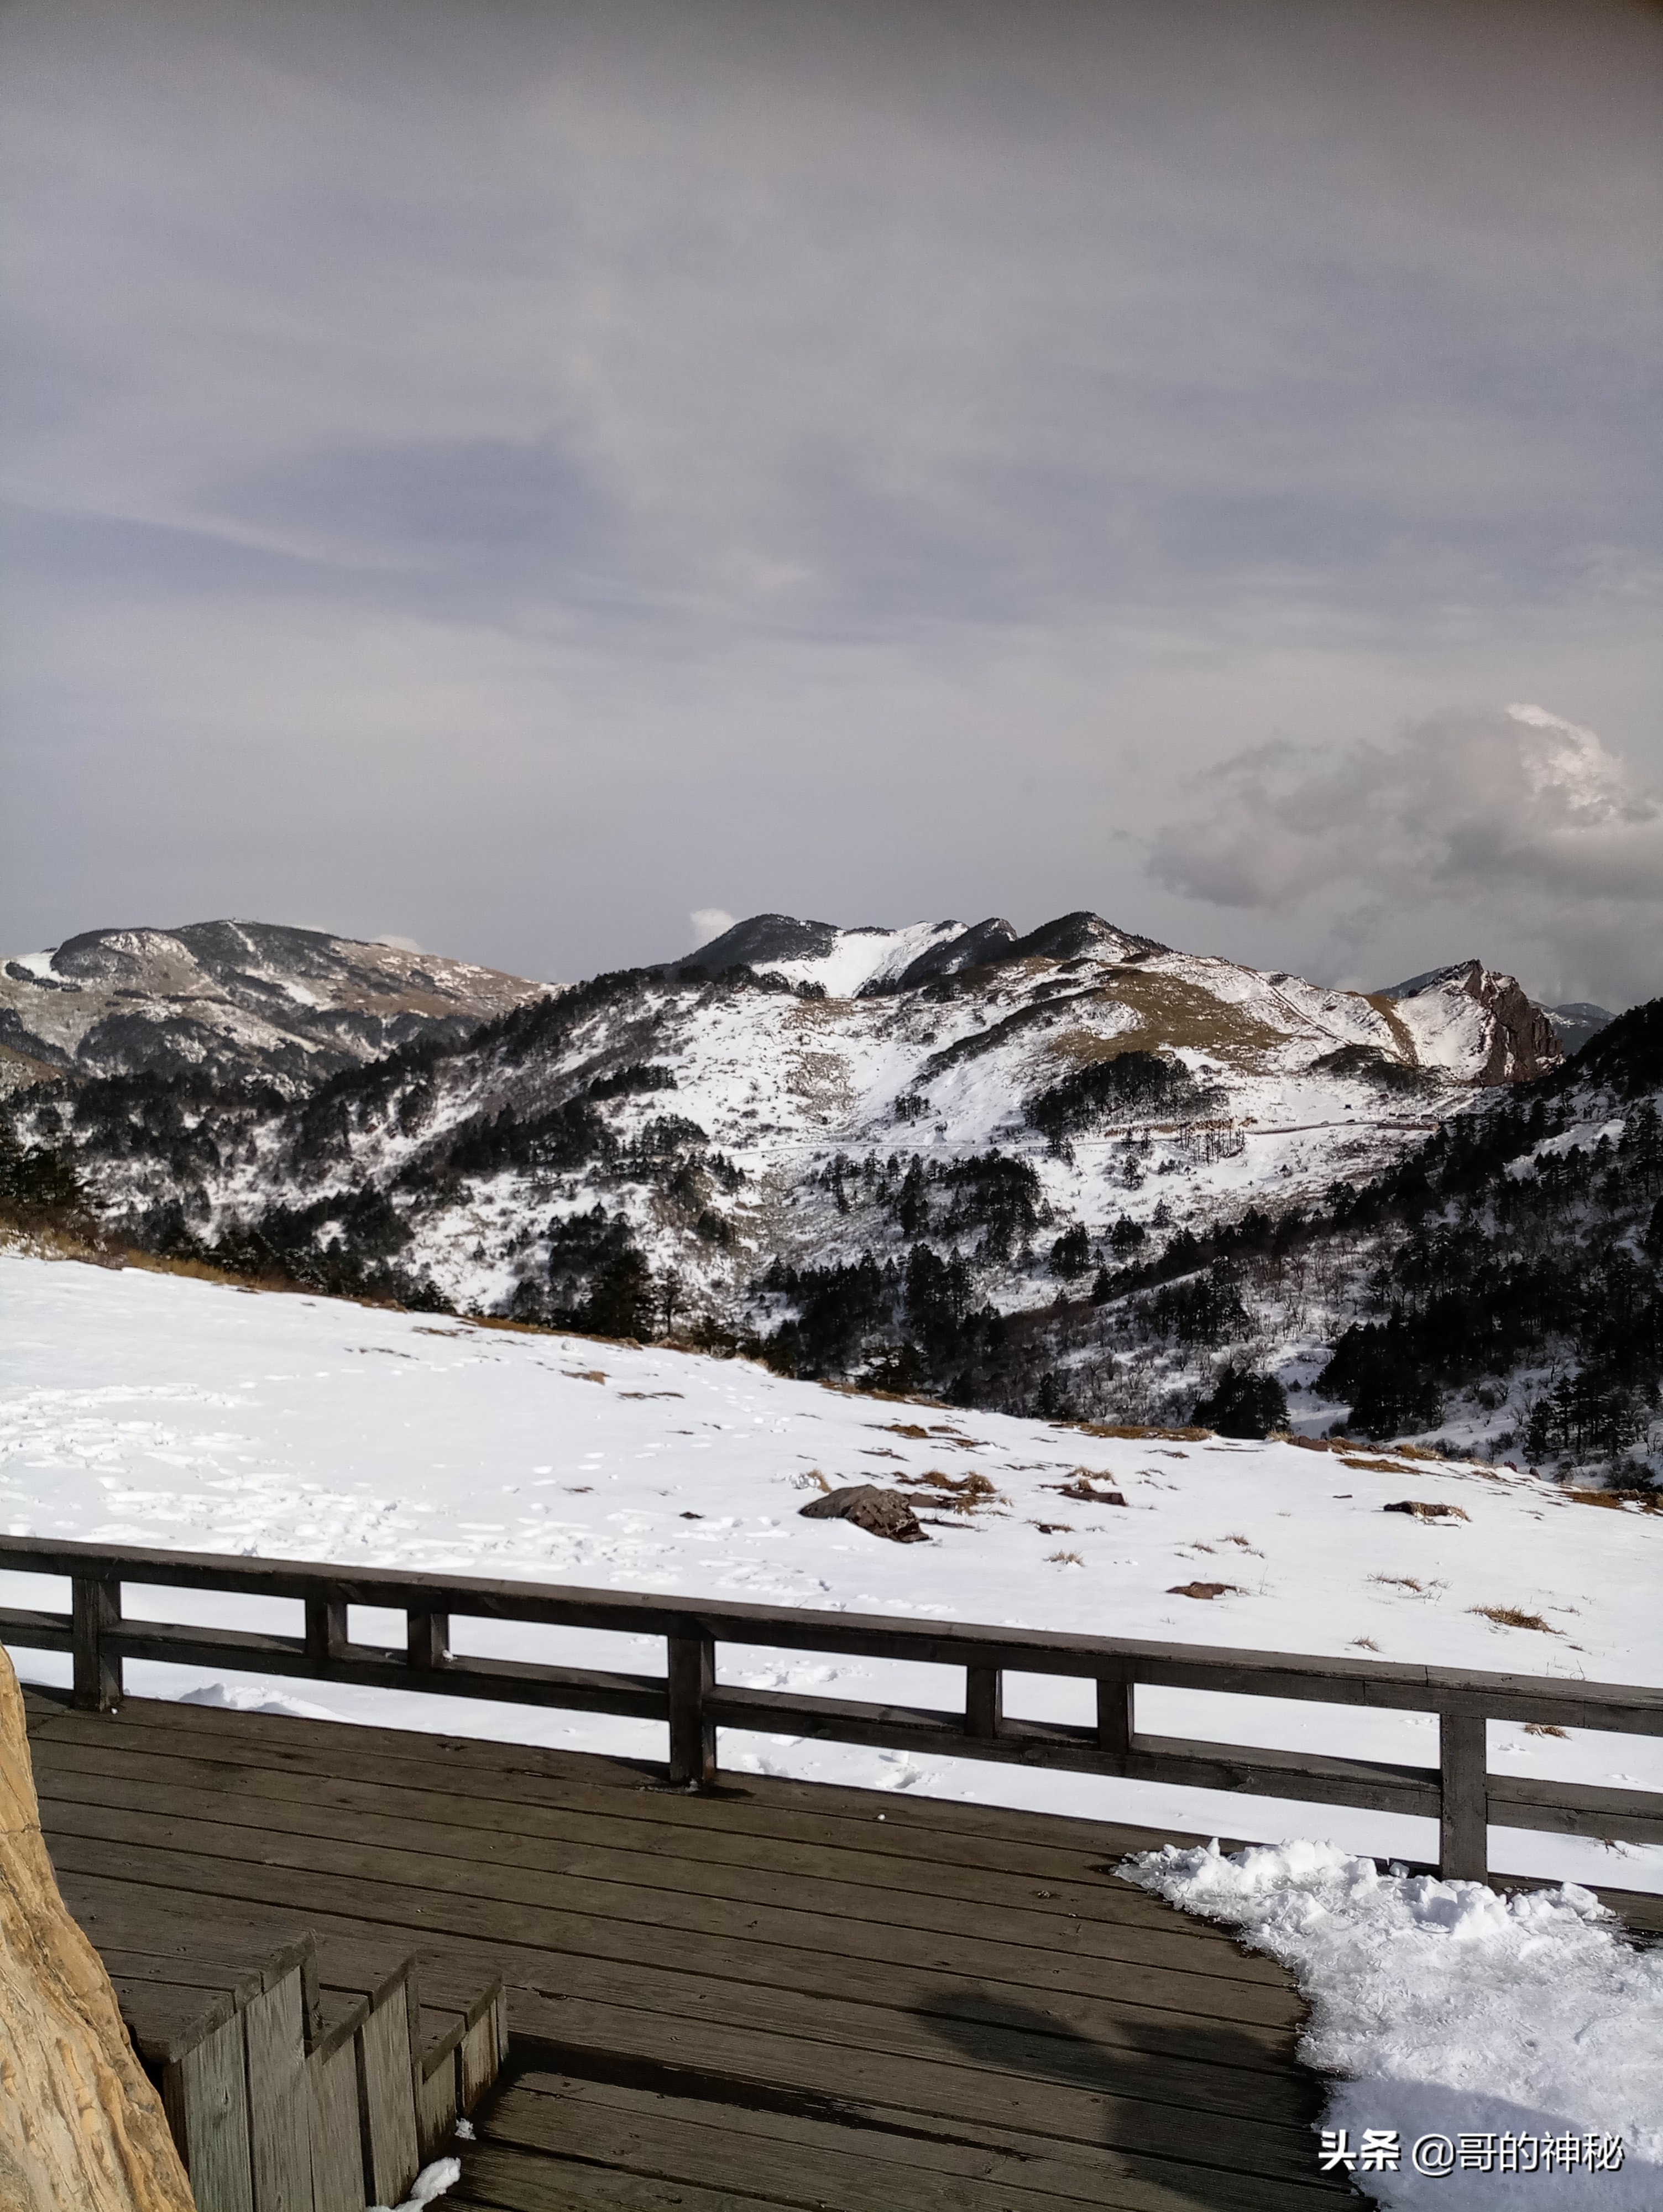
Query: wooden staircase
(321, 2078)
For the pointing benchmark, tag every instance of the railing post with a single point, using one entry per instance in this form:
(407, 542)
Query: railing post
(325, 1633)
(1115, 1716)
(1464, 1779)
(426, 1639)
(96, 1608)
(984, 1701)
(691, 1671)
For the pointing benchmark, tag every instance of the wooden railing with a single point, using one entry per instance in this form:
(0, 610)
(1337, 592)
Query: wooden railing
(1460, 1792)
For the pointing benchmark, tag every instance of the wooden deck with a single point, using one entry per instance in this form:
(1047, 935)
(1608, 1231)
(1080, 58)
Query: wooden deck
(768, 1993)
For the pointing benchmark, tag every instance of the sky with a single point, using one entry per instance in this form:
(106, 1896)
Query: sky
(536, 479)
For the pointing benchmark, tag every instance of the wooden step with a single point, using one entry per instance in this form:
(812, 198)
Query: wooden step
(316, 2079)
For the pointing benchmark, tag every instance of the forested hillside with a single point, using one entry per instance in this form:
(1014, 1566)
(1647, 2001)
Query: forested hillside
(1101, 1181)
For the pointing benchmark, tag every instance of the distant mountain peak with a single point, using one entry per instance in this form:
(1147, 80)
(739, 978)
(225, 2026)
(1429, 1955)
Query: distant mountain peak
(1574, 1023)
(867, 960)
(1443, 1006)
(1457, 971)
(764, 938)
(233, 1000)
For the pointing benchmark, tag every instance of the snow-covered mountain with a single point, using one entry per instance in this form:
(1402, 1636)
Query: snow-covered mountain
(1467, 1019)
(232, 1001)
(1070, 1171)
(802, 1093)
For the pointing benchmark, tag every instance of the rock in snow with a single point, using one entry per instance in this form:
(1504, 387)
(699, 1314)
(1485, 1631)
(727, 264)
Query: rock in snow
(879, 1512)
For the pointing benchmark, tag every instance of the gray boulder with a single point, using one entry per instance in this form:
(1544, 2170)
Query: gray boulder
(879, 1512)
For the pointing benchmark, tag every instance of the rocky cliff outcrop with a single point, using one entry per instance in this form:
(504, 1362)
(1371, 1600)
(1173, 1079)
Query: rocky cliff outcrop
(1466, 1011)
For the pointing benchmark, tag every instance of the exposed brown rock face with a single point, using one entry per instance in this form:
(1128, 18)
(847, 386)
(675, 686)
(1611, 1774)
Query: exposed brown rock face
(1523, 1042)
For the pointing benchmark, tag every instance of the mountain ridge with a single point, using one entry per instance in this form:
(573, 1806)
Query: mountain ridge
(236, 999)
(1098, 1059)
(919, 1182)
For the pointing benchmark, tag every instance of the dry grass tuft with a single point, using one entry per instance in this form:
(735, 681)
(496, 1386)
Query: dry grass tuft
(1063, 1560)
(1136, 1432)
(1398, 1582)
(1544, 1728)
(1509, 1616)
(1644, 1501)
(1365, 1643)
(962, 1493)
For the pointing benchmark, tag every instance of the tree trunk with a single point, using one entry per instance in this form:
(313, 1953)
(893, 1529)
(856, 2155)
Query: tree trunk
(82, 2130)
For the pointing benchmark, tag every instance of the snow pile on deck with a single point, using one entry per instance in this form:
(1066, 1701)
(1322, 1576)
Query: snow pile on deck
(1453, 2012)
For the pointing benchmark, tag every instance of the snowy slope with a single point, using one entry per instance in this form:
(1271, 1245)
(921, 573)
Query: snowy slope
(147, 1408)
(232, 1001)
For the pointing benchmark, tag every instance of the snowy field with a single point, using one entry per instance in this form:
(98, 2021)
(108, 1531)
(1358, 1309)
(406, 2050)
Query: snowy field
(147, 1408)
(152, 1409)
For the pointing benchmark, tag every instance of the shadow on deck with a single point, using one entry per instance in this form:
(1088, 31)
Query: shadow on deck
(772, 1994)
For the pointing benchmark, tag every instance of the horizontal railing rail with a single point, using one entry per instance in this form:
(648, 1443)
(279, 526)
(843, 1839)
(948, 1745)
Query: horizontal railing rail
(1460, 1792)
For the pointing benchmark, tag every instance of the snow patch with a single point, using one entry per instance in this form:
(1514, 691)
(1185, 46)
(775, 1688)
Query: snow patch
(433, 2181)
(1426, 1996)
(254, 1698)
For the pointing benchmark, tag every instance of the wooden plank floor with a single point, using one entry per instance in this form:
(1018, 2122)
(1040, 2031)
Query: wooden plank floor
(777, 1994)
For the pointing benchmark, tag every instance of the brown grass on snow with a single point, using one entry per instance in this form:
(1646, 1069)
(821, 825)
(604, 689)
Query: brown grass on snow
(1510, 1616)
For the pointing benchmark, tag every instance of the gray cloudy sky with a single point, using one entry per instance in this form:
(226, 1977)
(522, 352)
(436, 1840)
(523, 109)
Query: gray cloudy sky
(518, 476)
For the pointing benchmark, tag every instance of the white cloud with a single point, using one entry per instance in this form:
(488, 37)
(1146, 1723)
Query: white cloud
(1456, 802)
(709, 922)
(1519, 816)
